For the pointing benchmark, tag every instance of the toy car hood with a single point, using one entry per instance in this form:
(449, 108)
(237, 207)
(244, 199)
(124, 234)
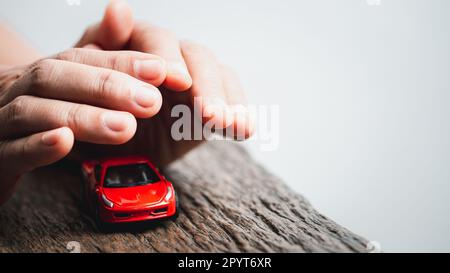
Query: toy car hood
(138, 195)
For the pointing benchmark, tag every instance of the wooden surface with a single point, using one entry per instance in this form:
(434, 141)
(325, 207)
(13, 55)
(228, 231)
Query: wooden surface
(228, 203)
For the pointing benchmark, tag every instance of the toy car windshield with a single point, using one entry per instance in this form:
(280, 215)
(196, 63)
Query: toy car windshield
(129, 176)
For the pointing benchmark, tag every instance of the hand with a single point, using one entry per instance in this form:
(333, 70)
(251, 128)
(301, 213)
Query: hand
(192, 71)
(84, 94)
(91, 97)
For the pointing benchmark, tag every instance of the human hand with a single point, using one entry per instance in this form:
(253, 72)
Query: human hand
(192, 72)
(84, 94)
(91, 97)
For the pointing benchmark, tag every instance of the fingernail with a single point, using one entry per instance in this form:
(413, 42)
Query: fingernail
(114, 121)
(148, 69)
(177, 68)
(146, 96)
(50, 138)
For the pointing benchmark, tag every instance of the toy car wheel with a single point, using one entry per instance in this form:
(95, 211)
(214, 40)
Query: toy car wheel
(97, 217)
(101, 226)
(177, 207)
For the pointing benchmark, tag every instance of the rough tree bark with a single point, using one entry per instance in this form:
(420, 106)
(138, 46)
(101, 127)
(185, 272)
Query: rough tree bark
(228, 202)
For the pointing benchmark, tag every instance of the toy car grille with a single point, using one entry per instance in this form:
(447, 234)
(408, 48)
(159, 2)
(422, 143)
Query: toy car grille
(122, 215)
(160, 210)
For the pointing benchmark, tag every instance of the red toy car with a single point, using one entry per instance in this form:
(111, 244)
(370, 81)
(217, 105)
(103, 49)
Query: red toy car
(127, 189)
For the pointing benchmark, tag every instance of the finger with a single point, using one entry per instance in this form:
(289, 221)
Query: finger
(25, 154)
(159, 41)
(92, 46)
(207, 88)
(27, 115)
(147, 67)
(115, 29)
(234, 92)
(243, 121)
(85, 84)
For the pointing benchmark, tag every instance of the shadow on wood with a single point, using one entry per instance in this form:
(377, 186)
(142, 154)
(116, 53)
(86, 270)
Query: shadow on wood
(228, 202)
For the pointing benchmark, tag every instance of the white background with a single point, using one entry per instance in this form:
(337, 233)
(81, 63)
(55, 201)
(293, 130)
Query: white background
(363, 90)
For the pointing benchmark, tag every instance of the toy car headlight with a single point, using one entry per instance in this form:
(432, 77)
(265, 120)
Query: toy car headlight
(107, 202)
(169, 193)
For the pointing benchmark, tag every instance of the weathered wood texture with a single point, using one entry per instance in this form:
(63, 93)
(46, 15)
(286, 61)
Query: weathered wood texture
(228, 202)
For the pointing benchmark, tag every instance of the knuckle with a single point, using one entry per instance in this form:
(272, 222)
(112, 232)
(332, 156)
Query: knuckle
(73, 117)
(116, 62)
(16, 109)
(124, 63)
(106, 82)
(41, 73)
(110, 86)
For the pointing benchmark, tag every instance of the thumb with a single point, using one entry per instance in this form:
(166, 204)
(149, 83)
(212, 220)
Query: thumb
(114, 31)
